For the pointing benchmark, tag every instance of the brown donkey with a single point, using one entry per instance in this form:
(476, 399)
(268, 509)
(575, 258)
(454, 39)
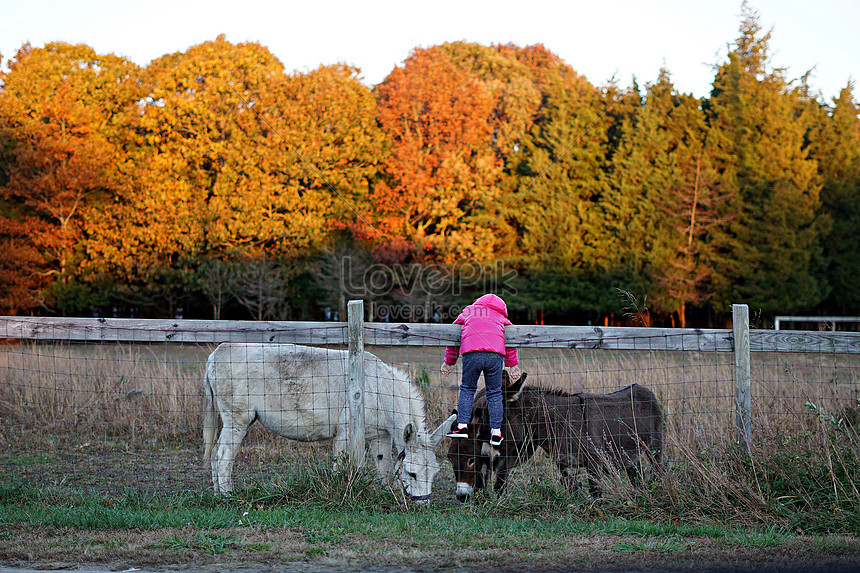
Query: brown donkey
(578, 430)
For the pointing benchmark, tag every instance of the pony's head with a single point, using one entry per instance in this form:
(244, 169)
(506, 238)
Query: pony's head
(417, 462)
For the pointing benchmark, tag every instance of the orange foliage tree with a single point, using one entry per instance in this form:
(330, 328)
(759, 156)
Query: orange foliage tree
(61, 111)
(442, 170)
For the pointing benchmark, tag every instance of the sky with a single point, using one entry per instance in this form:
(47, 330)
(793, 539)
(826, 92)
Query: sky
(600, 39)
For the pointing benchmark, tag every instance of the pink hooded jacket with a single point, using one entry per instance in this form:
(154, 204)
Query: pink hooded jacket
(484, 324)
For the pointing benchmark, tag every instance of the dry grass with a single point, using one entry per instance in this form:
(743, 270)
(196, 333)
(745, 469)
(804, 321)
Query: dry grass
(137, 393)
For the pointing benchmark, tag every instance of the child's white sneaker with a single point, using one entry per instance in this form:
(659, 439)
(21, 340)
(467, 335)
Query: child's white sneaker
(496, 438)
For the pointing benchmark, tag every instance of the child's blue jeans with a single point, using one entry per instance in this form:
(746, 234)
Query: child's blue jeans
(491, 365)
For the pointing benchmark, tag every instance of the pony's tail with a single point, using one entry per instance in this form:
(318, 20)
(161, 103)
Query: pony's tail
(210, 418)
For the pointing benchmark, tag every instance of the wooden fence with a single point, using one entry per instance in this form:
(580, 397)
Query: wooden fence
(355, 334)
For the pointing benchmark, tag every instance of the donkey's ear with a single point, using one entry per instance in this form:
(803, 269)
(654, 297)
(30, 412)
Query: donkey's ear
(514, 390)
(439, 433)
(506, 378)
(408, 433)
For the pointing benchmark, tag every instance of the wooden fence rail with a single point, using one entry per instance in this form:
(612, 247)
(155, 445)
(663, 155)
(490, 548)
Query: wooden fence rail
(418, 334)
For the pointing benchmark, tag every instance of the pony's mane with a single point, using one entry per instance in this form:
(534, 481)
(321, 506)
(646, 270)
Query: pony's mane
(414, 398)
(550, 391)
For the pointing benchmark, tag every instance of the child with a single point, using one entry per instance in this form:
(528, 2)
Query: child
(482, 344)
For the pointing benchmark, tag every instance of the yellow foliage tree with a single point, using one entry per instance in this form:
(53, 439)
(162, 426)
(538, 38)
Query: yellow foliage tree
(235, 158)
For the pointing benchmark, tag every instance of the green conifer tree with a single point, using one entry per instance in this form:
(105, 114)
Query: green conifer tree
(661, 199)
(769, 255)
(554, 194)
(835, 144)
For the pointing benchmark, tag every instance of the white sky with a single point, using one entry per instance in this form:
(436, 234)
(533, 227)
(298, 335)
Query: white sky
(598, 38)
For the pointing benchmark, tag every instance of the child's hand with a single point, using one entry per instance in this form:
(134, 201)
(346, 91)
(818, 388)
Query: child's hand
(515, 373)
(446, 368)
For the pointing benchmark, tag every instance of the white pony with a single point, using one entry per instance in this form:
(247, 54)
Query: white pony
(300, 392)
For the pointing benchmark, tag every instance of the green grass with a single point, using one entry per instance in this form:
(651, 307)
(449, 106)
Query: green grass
(323, 524)
(771, 537)
(266, 525)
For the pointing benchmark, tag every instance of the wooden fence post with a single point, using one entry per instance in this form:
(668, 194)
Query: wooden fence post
(355, 390)
(743, 409)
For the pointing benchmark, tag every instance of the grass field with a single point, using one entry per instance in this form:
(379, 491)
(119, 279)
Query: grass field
(91, 435)
(333, 521)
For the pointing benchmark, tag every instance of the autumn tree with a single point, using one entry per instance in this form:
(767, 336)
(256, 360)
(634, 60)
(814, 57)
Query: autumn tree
(442, 173)
(20, 285)
(769, 256)
(513, 78)
(236, 159)
(61, 116)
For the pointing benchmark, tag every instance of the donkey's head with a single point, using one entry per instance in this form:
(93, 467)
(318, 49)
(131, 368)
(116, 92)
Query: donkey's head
(417, 462)
(470, 457)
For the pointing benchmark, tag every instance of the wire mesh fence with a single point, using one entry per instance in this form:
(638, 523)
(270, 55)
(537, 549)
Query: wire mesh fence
(119, 405)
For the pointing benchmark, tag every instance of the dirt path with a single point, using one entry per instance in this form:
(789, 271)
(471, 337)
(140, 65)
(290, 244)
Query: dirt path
(275, 549)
